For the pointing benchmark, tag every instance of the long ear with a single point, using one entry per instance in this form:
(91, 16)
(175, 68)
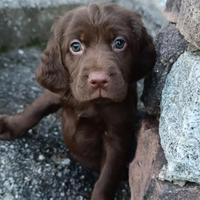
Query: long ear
(51, 73)
(146, 50)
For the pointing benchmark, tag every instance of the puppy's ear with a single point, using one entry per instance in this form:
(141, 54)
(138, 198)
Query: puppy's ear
(146, 54)
(51, 73)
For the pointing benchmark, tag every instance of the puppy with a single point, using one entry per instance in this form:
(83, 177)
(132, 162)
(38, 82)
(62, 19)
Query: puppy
(89, 69)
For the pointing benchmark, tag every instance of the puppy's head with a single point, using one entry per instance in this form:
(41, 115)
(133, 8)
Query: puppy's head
(96, 52)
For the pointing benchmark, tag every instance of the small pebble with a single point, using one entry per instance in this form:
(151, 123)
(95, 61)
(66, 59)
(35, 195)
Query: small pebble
(21, 52)
(41, 157)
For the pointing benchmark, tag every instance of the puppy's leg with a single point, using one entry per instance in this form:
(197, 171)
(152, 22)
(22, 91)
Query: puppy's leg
(17, 125)
(113, 167)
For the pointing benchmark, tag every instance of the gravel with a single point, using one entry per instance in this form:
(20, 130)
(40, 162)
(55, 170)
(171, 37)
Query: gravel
(37, 166)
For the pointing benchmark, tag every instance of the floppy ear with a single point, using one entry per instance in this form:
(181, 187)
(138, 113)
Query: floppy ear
(51, 73)
(146, 56)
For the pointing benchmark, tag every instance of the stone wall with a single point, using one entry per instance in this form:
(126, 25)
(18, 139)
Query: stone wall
(172, 95)
(180, 104)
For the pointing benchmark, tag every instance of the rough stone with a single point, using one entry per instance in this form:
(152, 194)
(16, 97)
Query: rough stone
(145, 168)
(169, 44)
(159, 190)
(189, 21)
(172, 10)
(141, 168)
(37, 166)
(180, 120)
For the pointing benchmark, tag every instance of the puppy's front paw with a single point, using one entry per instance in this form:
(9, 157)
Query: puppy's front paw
(6, 130)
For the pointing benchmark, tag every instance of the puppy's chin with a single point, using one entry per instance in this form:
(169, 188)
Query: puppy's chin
(101, 97)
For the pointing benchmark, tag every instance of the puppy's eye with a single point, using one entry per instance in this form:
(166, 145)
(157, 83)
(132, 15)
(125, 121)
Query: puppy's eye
(76, 47)
(119, 44)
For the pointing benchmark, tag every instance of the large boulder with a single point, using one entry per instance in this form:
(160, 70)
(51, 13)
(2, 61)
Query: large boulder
(186, 14)
(157, 167)
(180, 120)
(189, 21)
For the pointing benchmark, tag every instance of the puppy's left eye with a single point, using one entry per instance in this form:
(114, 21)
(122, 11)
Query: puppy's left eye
(76, 47)
(119, 44)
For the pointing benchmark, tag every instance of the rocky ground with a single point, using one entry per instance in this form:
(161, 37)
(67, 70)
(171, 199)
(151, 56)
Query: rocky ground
(37, 166)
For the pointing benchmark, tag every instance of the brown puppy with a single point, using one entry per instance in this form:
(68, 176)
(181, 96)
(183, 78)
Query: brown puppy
(89, 68)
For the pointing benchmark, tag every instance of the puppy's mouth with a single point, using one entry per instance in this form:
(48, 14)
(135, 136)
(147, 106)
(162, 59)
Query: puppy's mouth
(102, 95)
(99, 93)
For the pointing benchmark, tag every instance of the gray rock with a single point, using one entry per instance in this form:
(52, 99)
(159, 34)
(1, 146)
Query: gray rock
(37, 166)
(180, 120)
(169, 44)
(189, 21)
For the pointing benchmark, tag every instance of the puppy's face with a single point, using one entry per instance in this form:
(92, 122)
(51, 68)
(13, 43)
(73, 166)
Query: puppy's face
(97, 51)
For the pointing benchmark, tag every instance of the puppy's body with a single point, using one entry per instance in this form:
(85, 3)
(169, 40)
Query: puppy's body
(88, 128)
(89, 68)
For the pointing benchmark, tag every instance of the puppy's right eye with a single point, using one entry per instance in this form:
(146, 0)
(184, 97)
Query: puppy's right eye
(76, 47)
